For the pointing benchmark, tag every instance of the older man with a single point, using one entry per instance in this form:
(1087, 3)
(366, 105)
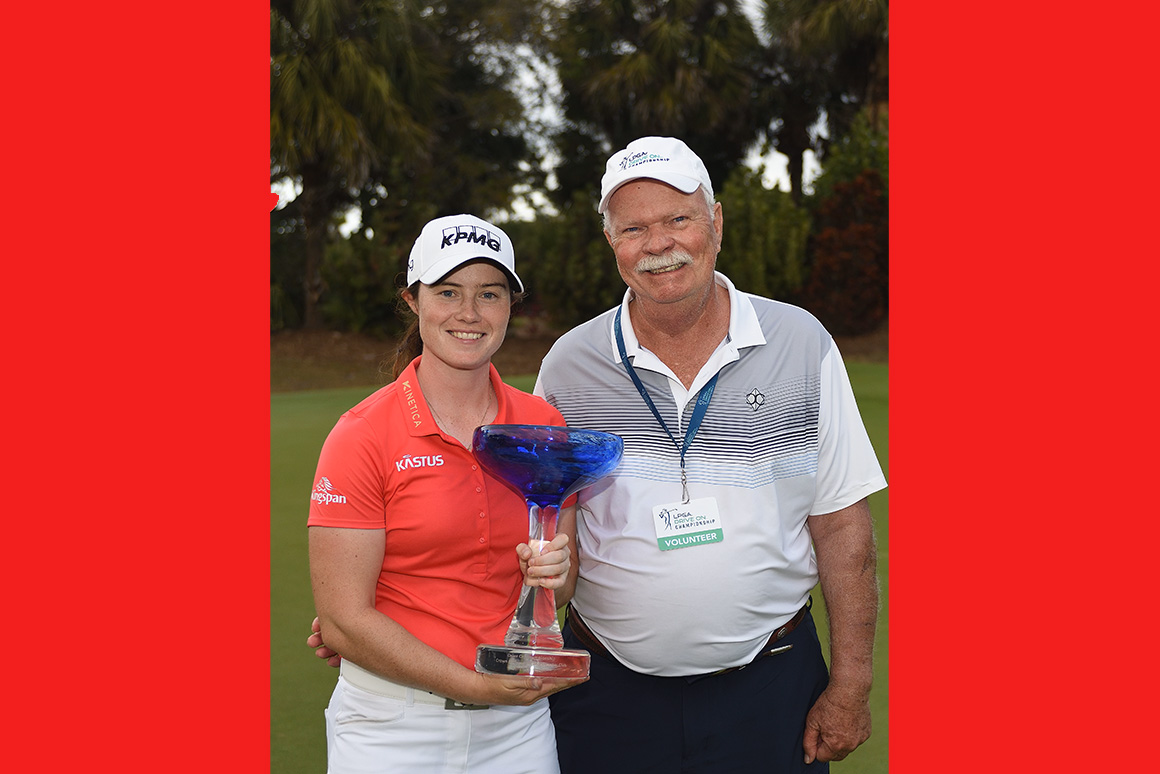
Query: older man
(744, 482)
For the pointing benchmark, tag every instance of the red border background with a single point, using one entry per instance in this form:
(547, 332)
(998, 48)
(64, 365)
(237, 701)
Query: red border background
(1022, 408)
(135, 569)
(135, 560)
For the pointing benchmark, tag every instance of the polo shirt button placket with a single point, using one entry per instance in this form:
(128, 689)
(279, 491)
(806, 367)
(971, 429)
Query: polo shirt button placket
(483, 513)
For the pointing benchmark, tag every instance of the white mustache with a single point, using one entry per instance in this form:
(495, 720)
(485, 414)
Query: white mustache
(669, 260)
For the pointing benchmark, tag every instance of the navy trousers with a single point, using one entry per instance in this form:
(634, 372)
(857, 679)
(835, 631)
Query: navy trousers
(749, 720)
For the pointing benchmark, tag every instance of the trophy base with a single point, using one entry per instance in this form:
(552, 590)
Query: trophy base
(522, 660)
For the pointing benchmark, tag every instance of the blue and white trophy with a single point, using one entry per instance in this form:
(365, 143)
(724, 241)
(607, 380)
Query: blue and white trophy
(545, 464)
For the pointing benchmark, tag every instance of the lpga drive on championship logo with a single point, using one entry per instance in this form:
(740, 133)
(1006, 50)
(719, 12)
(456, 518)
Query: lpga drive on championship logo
(324, 493)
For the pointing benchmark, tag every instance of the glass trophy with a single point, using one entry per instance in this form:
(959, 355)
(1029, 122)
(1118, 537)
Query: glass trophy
(545, 464)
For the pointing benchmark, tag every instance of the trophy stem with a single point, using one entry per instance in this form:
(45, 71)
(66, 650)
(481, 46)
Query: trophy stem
(534, 623)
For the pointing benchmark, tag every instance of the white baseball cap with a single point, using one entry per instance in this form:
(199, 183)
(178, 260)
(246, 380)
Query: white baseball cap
(447, 243)
(666, 159)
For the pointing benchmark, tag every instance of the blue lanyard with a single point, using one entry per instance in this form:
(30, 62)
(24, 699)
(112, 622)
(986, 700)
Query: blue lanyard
(703, 398)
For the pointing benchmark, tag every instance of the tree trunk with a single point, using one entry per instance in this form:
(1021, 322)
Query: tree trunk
(878, 91)
(793, 140)
(316, 212)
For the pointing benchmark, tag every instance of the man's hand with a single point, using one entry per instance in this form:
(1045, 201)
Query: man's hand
(836, 724)
(844, 546)
(320, 649)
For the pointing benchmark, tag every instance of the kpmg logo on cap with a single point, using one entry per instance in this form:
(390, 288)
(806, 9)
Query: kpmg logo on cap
(472, 234)
(641, 157)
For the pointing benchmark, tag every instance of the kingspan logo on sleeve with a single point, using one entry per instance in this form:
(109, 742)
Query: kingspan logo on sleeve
(471, 234)
(324, 493)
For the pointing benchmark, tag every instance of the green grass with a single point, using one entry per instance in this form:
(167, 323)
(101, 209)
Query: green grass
(300, 684)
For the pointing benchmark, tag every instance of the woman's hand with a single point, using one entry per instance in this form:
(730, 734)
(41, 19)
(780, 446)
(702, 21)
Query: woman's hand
(520, 690)
(320, 649)
(547, 567)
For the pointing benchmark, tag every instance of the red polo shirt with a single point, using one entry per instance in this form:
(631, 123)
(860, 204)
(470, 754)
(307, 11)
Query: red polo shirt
(450, 574)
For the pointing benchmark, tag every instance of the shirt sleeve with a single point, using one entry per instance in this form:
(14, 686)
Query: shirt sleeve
(350, 482)
(848, 468)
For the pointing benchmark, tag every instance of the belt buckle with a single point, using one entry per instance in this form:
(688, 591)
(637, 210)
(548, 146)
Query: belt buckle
(451, 704)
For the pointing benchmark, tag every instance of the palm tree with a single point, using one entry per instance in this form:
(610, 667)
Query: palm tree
(856, 32)
(348, 83)
(831, 58)
(408, 109)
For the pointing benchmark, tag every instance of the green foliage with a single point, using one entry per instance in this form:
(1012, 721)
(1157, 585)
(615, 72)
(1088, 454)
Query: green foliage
(360, 276)
(282, 312)
(347, 79)
(849, 250)
(406, 101)
(684, 68)
(826, 59)
(848, 285)
(412, 110)
(287, 262)
(764, 247)
(863, 147)
(566, 264)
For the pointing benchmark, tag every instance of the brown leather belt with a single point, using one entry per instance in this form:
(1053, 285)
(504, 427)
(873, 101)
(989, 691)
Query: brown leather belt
(594, 645)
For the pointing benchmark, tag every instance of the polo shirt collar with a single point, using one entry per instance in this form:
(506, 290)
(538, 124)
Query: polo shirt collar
(417, 414)
(744, 329)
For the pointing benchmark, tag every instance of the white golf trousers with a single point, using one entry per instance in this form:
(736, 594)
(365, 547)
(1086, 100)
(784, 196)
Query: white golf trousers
(371, 734)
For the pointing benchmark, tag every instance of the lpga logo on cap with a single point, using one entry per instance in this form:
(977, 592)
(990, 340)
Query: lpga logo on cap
(666, 159)
(447, 243)
(640, 158)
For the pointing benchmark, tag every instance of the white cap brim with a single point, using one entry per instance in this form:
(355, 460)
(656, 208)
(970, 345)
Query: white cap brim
(682, 183)
(441, 269)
